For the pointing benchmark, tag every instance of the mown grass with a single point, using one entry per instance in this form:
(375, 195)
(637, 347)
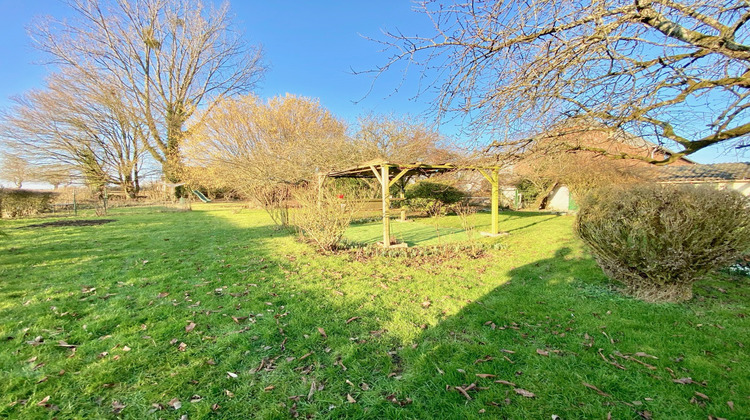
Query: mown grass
(417, 327)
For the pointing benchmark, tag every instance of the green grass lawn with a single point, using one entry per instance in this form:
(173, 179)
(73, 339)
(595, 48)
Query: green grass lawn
(217, 310)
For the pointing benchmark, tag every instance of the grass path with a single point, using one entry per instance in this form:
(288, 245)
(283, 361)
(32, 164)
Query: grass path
(217, 310)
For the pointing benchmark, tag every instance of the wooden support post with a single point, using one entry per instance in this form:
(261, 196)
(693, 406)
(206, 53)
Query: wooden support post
(386, 205)
(321, 179)
(495, 200)
(493, 176)
(402, 195)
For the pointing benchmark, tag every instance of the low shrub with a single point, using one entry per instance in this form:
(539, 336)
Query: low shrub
(658, 240)
(444, 193)
(323, 217)
(24, 203)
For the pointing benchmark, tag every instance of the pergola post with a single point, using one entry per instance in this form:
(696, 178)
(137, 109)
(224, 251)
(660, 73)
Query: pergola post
(495, 200)
(493, 176)
(402, 195)
(321, 180)
(384, 182)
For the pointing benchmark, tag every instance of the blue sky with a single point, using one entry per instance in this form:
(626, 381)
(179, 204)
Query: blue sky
(311, 48)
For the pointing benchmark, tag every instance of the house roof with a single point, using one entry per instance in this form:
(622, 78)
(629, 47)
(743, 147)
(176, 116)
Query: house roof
(705, 173)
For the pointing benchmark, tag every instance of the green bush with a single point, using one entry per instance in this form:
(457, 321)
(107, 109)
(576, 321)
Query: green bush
(446, 194)
(24, 203)
(658, 240)
(431, 198)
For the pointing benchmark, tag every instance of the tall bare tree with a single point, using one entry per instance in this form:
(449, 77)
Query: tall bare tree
(677, 71)
(78, 122)
(169, 57)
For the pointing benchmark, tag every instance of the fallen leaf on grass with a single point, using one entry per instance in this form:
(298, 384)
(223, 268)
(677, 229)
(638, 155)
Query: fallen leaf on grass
(484, 359)
(322, 332)
(687, 381)
(731, 405)
(162, 295)
(500, 381)
(195, 398)
(215, 407)
(507, 351)
(366, 387)
(598, 391)
(702, 395)
(126, 348)
(62, 343)
(36, 341)
(42, 380)
(312, 390)
(102, 354)
(269, 388)
(392, 398)
(485, 375)
(117, 407)
(464, 390)
(175, 403)
(350, 399)
(642, 354)
(542, 352)
(43, 401)
(524, 393)
(190, 327)
(354, 318)
(156, 407)
(182, 346)
(232, 374)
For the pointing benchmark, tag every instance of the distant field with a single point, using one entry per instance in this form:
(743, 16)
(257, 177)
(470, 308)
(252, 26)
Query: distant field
(214, 313)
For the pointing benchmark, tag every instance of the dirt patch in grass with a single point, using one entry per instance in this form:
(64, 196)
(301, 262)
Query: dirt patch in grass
(59, 223)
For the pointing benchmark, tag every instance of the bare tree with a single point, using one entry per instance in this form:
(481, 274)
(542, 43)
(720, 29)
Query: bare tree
(675, 71)
(78, 122)
(263, 148)
(55, 174)
(399, 139)
(169, 57)
(15, 169)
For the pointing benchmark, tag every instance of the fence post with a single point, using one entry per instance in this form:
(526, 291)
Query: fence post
(75, 203)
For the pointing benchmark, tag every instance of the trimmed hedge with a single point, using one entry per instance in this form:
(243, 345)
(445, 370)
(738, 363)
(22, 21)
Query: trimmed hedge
(24, 203)
(658, 240)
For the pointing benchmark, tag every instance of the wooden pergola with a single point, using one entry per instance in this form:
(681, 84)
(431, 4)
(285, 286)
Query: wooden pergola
(389, 174)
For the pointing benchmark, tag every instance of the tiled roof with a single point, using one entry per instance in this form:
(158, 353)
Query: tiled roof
(704, 173)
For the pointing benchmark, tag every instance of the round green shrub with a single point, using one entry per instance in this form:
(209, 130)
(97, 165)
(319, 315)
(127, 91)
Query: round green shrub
(658, 240)
(446, 194)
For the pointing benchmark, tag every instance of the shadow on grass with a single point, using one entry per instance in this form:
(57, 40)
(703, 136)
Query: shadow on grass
(280, 330)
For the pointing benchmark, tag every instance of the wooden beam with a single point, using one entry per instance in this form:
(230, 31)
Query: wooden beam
(397, 177)
(377, 175)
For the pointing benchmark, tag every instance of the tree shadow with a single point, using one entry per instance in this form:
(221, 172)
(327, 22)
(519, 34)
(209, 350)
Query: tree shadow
(397, 338)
